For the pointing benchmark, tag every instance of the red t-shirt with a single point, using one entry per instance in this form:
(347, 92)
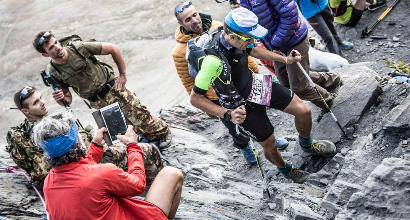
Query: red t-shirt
(87, 190)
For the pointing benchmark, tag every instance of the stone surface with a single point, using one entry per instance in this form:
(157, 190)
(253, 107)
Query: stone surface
(219, 184)
(385, 193)
(399, 118)
(359, 91)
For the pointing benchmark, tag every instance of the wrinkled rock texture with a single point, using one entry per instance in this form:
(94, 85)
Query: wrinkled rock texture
(367, 179)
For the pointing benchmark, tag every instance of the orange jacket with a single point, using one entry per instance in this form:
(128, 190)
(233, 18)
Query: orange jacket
(181, 64)
(87, 190)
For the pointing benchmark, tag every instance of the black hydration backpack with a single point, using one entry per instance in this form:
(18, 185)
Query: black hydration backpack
(208, 44)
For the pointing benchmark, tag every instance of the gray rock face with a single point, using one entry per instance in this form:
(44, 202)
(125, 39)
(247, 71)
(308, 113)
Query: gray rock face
(359, 91)
(385, 193)
(399, 118)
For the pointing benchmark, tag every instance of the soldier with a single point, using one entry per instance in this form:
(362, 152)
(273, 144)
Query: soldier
(75, 65)
(29, 157)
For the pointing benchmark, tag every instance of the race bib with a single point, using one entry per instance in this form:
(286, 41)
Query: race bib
(261, 89)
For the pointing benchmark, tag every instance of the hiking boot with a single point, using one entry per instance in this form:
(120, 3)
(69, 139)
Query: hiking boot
(377, 5)
(297, 175)
(322, 148)
(345, 45)
(165, 141)
(248, 154)
(281, 143)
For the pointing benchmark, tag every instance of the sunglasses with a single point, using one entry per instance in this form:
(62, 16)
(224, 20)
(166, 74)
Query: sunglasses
(246, 39)
(23, 93)
(180, 8)
(43, 37)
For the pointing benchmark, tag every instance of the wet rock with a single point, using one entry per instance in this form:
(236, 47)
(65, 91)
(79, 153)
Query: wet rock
(359, 81)
(385, 193)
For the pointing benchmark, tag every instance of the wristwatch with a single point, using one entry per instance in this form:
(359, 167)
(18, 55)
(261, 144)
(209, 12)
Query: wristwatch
(227, 115)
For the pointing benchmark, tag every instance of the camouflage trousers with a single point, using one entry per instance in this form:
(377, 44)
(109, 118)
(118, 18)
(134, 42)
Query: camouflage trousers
(117, 154)
(135, 113)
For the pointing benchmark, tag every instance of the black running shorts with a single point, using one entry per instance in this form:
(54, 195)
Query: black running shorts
(257, 124)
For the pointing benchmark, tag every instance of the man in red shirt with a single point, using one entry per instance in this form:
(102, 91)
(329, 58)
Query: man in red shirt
(79, 188)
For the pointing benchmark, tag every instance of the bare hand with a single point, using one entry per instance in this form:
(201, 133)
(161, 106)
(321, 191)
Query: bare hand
(238, 115)
(128, 137)
(58, 95)
(292, 59)
(98, 136)
(121, 81)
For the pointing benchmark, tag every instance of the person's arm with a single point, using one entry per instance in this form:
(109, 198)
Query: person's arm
(181, 66)
(288, 21)
(262, 53)
(211, 68)
(121, 183)
(96, 149)
(114, 50)
(61, 94)
(252, 65)
(16, 144)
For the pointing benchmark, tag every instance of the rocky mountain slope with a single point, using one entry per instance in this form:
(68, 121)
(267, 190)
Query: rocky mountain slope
(368, 179)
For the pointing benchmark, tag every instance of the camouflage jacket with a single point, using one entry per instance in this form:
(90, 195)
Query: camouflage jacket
(24, 153)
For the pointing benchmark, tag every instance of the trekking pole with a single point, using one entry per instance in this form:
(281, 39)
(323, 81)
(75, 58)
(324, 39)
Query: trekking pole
(317, 91)
(49, 81)
(257, 162)
(368, 30)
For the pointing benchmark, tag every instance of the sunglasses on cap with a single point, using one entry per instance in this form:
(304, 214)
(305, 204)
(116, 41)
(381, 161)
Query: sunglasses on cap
(180, 8)
(41, 40)
(23, 93)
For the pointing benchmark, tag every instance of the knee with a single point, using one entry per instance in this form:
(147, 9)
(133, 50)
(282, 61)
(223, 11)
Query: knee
(175, 174)
(303, 110)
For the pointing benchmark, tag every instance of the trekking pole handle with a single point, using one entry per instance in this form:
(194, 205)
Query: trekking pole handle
(293, 53)
(50, 82)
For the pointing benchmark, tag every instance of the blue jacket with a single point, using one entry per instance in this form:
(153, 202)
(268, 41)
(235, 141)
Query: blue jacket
(281, 18)
(311, 8)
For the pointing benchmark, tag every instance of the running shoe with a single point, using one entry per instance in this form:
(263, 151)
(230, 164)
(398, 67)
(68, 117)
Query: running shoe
(345, 45)
(322, 148)
(297, 175)
(248, 154)
(281, 143)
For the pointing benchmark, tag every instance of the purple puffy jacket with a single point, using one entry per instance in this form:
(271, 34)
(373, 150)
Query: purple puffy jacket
(281, 18)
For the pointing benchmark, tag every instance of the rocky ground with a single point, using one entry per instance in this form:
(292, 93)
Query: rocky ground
(368, 179)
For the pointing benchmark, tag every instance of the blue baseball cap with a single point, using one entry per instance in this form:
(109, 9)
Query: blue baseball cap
(245, 21)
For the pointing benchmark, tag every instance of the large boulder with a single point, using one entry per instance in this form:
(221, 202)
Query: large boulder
(385, 193)
(358, 93)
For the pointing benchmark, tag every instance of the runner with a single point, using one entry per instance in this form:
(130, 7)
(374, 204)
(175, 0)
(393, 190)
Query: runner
(244, 96)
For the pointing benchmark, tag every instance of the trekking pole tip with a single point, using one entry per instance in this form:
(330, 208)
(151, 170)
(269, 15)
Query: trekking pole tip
(365, 32)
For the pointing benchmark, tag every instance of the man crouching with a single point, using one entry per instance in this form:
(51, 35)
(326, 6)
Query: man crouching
(79, 188)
